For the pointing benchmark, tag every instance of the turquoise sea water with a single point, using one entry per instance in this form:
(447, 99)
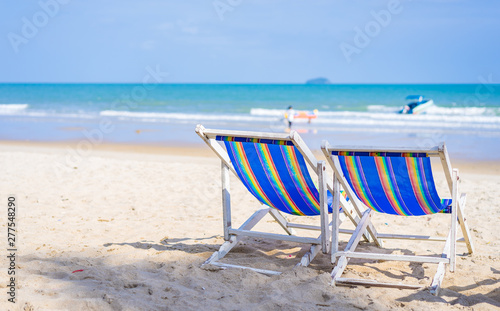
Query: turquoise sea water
(467, 117)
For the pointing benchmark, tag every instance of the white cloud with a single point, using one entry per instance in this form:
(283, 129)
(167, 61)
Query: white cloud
(191, 30)
(148, 45)
(165, 26)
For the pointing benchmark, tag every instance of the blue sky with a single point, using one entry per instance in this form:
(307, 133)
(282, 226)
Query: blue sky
(244, 41)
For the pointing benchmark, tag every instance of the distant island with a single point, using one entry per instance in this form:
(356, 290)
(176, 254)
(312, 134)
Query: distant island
(318, 81)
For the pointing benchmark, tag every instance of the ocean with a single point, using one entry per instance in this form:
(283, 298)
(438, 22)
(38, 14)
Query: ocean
(466, 117)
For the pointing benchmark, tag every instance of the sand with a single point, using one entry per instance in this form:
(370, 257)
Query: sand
(127, 227)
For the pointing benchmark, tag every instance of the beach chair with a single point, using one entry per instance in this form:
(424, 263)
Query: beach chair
(273, 168)
(395, 181)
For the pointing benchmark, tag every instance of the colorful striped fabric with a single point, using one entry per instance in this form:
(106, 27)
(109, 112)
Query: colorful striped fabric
(254, 140)
(401, 185)
(380, 154)
(277, 175)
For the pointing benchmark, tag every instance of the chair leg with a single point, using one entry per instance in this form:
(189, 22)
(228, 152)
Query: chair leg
(439, 276)
(226, 200)
(454, 208)
(323, 207)
(309, 256)
(336, 218)
(225, 248)
(351, 245)
(462, 220)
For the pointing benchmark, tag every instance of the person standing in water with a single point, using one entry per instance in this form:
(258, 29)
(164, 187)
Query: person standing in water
(290, 115)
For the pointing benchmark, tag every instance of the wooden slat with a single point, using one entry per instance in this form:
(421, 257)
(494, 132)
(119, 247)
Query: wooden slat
(415, 237)
(454, 208)
(304, 150)
(226, 200)
(462, 220)
(388, 257)
(430, 151)
(335, 216)
(438, 279)
(350, 247)
(445, 161)
(370, 283)
(281, 221)
(223, 250)
(347, 210)
(323, 206)
(233, 241)
(356, 236)
(317, 228)
(274, 236)
(226, 265)
(339, 269)
(346, 231)
(216, 148)
(309, 256)
(448, 172)
(254, 219)
(305, 227)
(358, 207)
(441, 269)
(210, 133)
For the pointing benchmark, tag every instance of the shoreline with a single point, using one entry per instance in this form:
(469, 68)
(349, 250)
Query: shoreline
(195, 150)
(108, 130)
(200, 150)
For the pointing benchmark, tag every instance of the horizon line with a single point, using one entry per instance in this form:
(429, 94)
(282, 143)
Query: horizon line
(259, 83)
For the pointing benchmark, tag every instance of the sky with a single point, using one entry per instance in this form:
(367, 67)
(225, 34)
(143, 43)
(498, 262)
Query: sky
(245, 41)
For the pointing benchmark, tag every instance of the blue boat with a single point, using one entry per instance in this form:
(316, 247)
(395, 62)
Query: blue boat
(417, 104)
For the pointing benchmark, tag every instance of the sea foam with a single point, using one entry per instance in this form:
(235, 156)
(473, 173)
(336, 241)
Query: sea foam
(12, 108)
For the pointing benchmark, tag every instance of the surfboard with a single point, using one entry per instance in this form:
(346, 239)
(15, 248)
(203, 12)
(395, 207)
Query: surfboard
(304, 114)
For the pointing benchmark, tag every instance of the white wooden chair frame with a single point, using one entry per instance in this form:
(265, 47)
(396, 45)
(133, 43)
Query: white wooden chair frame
(448, 256)
(232, 236)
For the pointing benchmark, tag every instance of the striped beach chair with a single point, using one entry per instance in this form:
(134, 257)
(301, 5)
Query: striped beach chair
(274, 169)
(396, 181)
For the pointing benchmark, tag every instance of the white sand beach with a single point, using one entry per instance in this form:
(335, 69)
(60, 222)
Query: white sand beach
(127, 228)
